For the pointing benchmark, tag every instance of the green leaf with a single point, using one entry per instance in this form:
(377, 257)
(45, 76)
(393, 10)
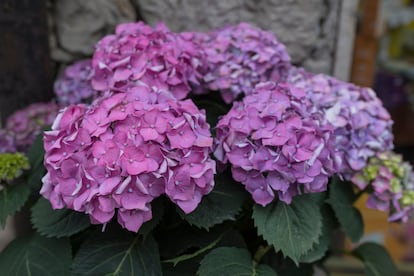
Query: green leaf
(34, 180)
(36, 152)
(188, 239)
(341, 198)
(12, 199)
(264, 270)
(189, 256)
(231, 261)
(57, 223)
(36, 255)
(321, 246)
(376, 259)
(319, 198)
(124, 254)
(292, 228)
(223, 203)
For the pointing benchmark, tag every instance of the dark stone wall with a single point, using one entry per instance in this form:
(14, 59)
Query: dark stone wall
(26, 73)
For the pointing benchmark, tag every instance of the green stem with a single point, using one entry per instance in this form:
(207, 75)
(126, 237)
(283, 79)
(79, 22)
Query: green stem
(185, 257)
(261, 251)
(358, 195)
(126, 254)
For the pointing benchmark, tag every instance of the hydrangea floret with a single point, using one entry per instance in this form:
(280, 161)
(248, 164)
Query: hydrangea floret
(12, 166)
(74, 85)
(116, 156)
(241, 56)
(362, 125)
(138, 54)
(274, 145)
(392, 183)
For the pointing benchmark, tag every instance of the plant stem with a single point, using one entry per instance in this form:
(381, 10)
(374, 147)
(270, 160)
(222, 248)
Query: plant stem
(261, 251)
(185, 257)
(358, 194)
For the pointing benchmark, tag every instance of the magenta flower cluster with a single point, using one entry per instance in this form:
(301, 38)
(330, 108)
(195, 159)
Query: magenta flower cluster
(275, 145)
(139, 55)
(362, 125)
(117, 155)
(241, 56)
(23, 126)
(391, 184)
(74, 85)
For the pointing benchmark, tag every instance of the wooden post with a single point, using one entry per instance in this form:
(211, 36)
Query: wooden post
(366, 45)
(25, 64)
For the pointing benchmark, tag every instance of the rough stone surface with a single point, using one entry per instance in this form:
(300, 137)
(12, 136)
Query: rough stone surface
(78, 24)
(308, 28)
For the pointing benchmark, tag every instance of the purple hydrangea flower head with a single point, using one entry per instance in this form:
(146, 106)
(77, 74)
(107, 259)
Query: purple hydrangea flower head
(116, 155)
(390, 183)
(74, 85)
(23, 126)
(7, 141)
(241, 56)
(362, 125)
(275, 145)
(138, 53)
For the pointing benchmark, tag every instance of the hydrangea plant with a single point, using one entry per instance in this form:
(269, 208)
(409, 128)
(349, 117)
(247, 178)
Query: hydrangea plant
(199, 154)
(391, 182)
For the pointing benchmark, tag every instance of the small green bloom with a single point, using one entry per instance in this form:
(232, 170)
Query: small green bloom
(371, 172)
(395, 185)
(12, 166)
(407, 198)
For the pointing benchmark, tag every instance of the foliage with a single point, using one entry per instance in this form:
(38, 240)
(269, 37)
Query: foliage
(36, 255)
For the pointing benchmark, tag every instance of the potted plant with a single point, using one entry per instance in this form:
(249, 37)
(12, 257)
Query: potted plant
(199, 153)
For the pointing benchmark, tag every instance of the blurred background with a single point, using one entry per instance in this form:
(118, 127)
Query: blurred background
(368, 42)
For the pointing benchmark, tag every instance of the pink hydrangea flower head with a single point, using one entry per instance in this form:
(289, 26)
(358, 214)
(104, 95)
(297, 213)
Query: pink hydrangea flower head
(116, 155)
(138, 53)
(275, 145)
(362, 125)
(74, 85)
(23, 126)
(241, 56)
(390, 184)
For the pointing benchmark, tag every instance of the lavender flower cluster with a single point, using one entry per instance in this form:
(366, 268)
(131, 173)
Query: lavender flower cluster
(392, 183)
(23, 126)
(362, 125)
(241, 56)
(116, 156)
(74, 85)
